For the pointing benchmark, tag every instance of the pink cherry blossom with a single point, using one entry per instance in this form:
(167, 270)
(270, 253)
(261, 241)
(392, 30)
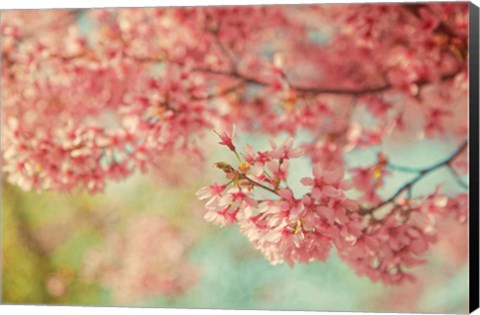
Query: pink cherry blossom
(227, 137)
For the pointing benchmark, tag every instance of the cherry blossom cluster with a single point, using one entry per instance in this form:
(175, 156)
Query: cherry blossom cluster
(389, 246)
(291, 229)
(80, 123)
(81, 108)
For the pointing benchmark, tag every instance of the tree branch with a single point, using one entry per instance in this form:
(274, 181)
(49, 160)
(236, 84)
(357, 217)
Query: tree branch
(302, 90)
(245, 79)
(404, 169)
(259, 185)
(224, 92)
(421, 174)
(457, 177)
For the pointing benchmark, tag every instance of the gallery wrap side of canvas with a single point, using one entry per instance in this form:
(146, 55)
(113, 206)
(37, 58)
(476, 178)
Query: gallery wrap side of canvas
(474, 156)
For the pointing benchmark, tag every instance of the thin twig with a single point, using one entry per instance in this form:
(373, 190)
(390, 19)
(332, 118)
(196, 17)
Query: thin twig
(403, 169)
(221, 93)
(412, 182)
(457, 177)
(259, 185)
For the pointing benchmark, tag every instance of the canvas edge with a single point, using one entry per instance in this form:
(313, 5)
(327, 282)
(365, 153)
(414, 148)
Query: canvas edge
(474, 155)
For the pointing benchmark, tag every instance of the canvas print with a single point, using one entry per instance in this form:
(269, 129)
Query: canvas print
(301, 157)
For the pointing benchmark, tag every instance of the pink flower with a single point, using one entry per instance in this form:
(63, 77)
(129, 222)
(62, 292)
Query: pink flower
(326, 183)
(238, 195)
(285, 150)
(282, 239)
(212, 193)
(227, 138)
(221, 217)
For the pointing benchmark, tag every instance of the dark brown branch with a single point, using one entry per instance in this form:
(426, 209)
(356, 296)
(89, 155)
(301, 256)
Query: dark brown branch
(361, 91)
(302, 90)
(417, 178)
(224, 92)
(244, 79)
(259, 185)
(405, 169)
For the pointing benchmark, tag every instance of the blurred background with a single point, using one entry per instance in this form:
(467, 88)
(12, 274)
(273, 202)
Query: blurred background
(64, 248)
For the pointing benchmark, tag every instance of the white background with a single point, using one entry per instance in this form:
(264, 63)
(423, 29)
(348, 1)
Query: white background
(45, 4)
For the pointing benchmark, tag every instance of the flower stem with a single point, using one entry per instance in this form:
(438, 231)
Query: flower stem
(259, 185)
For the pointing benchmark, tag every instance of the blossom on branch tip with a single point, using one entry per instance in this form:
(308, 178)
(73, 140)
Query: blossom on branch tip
(227, 138)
